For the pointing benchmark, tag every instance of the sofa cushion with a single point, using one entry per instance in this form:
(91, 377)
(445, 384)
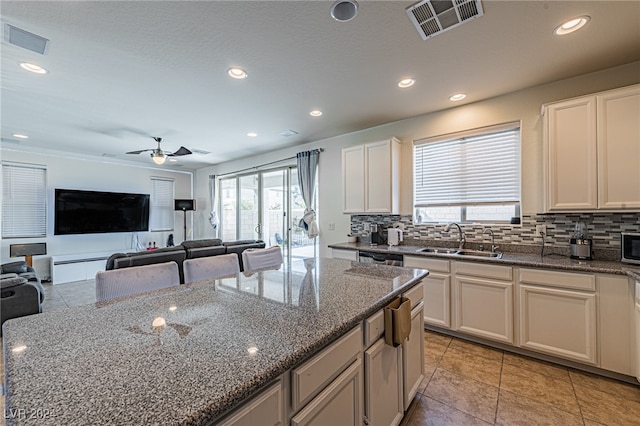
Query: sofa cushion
(168, 254)
(18, 267)
(8, 282)
(203, 248)
(242, 242)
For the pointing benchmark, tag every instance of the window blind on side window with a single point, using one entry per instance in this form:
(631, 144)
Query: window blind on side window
(477, 169)
(161, 211)
(24, 201)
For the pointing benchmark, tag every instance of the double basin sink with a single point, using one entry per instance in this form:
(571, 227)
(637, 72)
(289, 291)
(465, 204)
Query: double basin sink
(464, 252)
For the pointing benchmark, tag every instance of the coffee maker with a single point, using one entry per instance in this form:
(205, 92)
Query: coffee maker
(374, 234)
(580, 242)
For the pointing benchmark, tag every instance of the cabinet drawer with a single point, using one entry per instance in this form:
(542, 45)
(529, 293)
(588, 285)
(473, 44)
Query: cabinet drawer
(558, 279)
(312, 376)
(484, 270)
(415, 294)
(264, 409)
(436, 265)
(373, 328)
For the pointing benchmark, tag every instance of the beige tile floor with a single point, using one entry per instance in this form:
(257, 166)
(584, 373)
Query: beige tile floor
(471, 384)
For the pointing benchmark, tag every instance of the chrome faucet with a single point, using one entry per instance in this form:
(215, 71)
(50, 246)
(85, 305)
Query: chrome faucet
(490, 232)
(463, 238)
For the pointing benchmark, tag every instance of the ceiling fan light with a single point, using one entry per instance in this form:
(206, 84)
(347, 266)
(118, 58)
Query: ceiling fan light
(158, 157)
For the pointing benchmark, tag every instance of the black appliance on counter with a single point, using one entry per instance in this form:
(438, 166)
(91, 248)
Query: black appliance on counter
(375, 237)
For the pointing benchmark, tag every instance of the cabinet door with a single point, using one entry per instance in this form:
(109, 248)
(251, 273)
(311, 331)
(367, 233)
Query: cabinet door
(484, 308)
(619, 149)
(615, 322)
(570, 155)
(353, 179)
(558, 322)
(437, 300)
(378, 169)
(383, 384)
(340, 403)
(413, 356)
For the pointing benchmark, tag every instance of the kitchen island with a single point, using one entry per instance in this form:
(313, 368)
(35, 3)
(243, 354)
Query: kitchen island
(189, 354)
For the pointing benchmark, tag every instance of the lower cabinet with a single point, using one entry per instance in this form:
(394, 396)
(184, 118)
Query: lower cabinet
(557, 313)
(437, 289)
(413, 356)
(384, 404)
(340, 403)
(484, 300)
(344, 254)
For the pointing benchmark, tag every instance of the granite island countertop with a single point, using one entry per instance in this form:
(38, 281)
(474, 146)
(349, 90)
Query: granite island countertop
(508, 258)
(223, 341)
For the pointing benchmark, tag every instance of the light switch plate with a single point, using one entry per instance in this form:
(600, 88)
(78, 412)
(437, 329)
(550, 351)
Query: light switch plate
(541, 229)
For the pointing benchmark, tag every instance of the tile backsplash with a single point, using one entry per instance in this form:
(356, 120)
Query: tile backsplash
(604, 229)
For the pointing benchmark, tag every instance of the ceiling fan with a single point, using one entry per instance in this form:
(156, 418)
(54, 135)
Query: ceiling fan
(158, 155)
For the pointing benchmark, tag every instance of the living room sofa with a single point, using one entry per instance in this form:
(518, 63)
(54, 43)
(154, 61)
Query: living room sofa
(21, 291)
(187, 250)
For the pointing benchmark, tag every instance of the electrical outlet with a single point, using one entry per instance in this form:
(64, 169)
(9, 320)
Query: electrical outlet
(541, 229)
(332, 226)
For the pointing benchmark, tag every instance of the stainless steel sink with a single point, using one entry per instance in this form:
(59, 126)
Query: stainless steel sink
(439, 250)
(447, 250)
(478, 253)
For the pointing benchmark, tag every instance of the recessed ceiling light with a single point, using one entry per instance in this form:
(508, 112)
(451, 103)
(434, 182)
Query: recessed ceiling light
(457, 97)
(33, 68)
(252, 134)
(572, 25)
(236, 72)
(407, 82)
(20, 136)
(315, 113)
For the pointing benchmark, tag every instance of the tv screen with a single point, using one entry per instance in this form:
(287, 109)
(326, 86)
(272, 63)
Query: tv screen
(96, 212)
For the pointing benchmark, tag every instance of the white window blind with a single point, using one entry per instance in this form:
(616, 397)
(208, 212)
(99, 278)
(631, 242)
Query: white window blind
(476, 169)
(161, 212)
(24, 201)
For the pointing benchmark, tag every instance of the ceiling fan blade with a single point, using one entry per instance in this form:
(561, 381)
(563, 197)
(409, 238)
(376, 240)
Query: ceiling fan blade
(139, 152)
(181, 151)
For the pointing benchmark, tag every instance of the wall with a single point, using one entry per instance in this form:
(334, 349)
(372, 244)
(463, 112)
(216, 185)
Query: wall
(92, 174)
(523, 105)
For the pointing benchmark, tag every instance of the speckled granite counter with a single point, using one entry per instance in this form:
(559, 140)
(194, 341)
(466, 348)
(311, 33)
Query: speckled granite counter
(517, 259)
(106, 363)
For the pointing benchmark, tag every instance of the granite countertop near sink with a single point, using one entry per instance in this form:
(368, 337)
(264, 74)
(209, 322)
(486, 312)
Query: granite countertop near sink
(554, 261)
(223, 341)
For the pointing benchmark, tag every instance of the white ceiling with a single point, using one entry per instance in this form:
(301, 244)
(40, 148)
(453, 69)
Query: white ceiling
(121, 72)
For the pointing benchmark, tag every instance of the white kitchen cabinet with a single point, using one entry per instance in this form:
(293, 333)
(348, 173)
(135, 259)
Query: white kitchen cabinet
(265, 409)
(615, 323)
(557, 314)
(384, 403)
(413, 356)
(371, 178)
(340, 403)
(484, 300)
(591, 152)
(618, 132)
(344, 254)
(437, 289)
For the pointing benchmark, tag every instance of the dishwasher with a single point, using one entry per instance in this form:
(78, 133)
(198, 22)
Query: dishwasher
(380, 258)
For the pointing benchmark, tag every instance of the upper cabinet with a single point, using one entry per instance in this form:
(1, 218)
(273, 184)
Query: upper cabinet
(371, 178)
(592, 152)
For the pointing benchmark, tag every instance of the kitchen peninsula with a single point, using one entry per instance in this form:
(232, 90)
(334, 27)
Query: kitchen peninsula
(191, 354)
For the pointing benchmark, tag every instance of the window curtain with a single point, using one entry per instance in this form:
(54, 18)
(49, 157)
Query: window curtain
(213, 216)
(307, 162)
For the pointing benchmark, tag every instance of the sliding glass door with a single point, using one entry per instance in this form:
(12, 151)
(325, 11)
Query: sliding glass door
(265, 205)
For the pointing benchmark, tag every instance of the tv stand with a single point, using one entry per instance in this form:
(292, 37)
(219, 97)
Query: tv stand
(79, 266)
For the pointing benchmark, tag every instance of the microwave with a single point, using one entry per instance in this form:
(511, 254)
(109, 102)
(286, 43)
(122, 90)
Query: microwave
(630, 245)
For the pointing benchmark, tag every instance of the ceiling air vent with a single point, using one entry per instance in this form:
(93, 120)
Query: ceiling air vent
(432, 17)
(26, 40)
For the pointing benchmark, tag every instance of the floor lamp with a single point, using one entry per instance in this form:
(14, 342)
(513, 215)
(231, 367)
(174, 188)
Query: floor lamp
(185, 205)
(28, 251)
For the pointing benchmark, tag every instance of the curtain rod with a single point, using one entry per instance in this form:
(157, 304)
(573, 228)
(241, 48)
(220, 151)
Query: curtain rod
(263, 165)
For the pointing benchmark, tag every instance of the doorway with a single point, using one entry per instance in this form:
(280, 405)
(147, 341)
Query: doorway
(266, 205)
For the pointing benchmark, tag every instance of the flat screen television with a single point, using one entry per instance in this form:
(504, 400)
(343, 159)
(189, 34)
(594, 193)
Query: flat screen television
(97, 212)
